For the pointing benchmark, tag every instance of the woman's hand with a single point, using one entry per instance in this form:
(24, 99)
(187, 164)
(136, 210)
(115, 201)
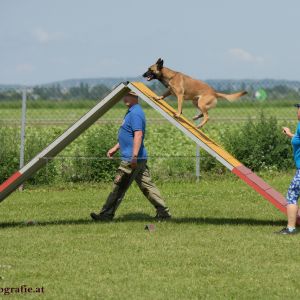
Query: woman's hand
(287, 132)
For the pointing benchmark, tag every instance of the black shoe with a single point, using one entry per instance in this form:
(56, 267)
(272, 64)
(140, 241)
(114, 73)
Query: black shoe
(99, 217)
(286, 231)
(165, 217)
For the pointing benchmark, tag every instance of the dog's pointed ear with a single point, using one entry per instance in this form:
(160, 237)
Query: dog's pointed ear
(160, 63)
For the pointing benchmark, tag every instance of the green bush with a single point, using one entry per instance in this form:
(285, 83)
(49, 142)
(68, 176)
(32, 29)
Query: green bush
(36, 140)
(210, 164)
(9, 151)
(97, 167)
(260, 145)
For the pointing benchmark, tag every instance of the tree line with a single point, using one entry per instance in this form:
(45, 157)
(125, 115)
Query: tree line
(85, 91)
(56, 92)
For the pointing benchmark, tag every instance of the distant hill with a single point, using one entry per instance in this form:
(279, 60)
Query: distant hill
(110, 82)
(218, 84)
(5, 87)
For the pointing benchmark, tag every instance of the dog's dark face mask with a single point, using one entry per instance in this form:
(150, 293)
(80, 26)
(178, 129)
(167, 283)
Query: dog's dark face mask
(154, 71)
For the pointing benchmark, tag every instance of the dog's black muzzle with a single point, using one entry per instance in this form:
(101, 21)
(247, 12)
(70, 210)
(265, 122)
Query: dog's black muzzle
(149, 75)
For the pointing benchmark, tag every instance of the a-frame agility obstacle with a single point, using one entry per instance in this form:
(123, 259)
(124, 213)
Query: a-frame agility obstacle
(187, 127)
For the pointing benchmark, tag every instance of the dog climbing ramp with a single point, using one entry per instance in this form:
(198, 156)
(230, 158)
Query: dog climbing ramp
(187, 127)
(190, 130)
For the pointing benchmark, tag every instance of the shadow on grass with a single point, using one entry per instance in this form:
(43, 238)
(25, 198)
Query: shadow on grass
(202, 220)
(140, 217)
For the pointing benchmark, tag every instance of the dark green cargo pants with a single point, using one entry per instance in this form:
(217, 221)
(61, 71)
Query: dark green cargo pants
(123, 179)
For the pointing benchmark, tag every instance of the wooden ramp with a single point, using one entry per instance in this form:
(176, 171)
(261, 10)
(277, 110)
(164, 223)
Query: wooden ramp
(230, 162)
(182, 123)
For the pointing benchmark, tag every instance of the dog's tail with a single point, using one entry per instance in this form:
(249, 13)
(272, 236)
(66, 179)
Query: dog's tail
(231, 97)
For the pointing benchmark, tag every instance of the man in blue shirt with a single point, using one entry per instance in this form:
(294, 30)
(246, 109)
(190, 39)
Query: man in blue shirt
(133, 164)
(294, 189)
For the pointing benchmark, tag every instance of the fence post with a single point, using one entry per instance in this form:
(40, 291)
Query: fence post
(197, 162)
(23, 125)
(197, 155)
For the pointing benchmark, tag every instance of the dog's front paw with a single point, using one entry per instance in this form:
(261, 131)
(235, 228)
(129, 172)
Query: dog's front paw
(177, 115)
(158, 98)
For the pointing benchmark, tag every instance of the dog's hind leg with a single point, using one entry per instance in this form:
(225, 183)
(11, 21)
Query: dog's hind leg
(196, 117)
(205, 118)
(204, 104)
(200, 115)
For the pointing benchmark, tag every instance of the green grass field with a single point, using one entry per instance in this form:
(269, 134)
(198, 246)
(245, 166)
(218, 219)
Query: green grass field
(66, 112)
(219, 244)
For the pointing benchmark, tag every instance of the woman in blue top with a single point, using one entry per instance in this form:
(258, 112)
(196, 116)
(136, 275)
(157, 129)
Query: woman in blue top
(294, 189)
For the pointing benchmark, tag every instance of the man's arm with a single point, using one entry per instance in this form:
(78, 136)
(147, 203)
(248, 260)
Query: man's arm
(110, 153)
(137, 142)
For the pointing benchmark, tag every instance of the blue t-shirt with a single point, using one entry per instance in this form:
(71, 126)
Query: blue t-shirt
(296, 146)
(134, 120)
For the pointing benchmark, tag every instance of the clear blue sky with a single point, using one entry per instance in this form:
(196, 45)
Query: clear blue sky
(49, 40)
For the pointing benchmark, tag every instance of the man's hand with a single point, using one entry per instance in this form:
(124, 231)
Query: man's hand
(111, 152)
(133, 162)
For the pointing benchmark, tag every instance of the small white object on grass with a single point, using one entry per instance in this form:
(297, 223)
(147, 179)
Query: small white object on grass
(30, 222)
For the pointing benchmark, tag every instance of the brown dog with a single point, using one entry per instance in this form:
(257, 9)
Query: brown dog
(184, 87)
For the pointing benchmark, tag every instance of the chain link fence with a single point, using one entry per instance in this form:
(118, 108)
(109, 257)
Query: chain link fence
(51, 110)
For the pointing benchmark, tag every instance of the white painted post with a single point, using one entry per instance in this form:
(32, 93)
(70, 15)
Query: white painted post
(197, 162)
(197, 156)
(23, 125)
